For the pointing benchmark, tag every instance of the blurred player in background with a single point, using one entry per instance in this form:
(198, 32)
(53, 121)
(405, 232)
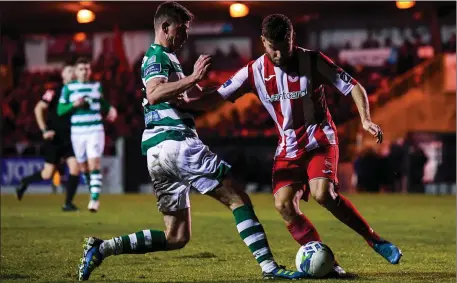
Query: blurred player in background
(83, 100)
(178, 160)
(57, 145)
(288, 81)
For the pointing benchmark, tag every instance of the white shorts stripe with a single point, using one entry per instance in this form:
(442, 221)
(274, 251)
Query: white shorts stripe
(254, 238)
(246, 224)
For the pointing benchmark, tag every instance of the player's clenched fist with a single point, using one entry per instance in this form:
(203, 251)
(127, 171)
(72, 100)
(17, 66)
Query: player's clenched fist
(201, 67)
(49, 135)
(80, 102)
(373, 129)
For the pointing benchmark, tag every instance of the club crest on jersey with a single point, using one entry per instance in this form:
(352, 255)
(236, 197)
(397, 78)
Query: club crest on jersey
(293, 78)
(287, 95)
(152, 59)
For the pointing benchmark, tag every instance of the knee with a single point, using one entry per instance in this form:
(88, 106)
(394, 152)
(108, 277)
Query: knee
(322, 197)
(231, 197)
(177, 242)
(285, 207)
(326, 196)
(73, 166)
(46, 174)
(94, 164)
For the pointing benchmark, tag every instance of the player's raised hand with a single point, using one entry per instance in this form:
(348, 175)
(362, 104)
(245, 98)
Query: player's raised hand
(80, 102)
(49, 135)
(112, 114)
(373, 129)
(201, 67)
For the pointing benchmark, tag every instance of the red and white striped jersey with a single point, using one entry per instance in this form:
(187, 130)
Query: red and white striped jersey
(294, 97)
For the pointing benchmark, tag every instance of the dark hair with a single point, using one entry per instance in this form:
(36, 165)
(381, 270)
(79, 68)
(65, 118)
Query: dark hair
(277, 27)
(172, 12)
(82, 60)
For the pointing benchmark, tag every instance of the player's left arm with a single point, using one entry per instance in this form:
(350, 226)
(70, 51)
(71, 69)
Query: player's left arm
(202, 99)
(346, 84)
(210, 98)
(106, 107)
(40, 110)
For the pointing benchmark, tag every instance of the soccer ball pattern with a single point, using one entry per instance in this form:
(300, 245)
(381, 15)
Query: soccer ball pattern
(315, 258)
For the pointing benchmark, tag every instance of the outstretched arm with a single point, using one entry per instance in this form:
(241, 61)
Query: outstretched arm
(200, 99)
(210, 98)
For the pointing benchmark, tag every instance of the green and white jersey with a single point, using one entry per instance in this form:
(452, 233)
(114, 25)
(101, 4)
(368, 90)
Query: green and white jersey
(163, 121)
(86, 119)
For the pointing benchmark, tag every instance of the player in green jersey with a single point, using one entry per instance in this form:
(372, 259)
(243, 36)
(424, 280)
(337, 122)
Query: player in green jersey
(84, 99)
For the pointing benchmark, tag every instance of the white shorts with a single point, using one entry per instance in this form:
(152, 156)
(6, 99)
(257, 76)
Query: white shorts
(176, 166)
(88, 146)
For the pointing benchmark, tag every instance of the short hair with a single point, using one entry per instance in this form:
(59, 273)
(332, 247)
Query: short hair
(277, 27)
(173, 12)
(82, 60)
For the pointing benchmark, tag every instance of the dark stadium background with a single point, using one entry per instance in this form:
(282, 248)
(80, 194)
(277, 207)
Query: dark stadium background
(403, 57)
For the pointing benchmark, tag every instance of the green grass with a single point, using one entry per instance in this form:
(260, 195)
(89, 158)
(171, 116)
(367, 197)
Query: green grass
(40, 243)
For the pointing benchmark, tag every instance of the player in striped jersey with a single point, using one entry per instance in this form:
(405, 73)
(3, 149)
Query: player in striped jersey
(84, 100)
(178, 160)
(288, 81)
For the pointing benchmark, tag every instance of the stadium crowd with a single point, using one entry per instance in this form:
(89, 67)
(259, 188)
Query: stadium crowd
(122, 87)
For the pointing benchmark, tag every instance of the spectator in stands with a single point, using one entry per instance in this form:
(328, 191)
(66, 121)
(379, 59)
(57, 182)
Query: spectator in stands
(449, 46)
(397, 157)
(347, 45)
(218, 59)
(415, 164)
(405, 57)
(234, 58)
(385, 173)
(388, 42)
(370, 42)
(366, 168)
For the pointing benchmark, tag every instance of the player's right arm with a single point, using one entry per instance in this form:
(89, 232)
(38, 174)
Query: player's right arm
(159, 90)
(65, 106)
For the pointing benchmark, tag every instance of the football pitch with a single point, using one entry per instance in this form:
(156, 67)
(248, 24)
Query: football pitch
(40, 243)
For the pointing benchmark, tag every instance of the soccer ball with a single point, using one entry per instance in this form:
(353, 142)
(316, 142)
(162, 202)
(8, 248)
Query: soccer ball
(315, 258)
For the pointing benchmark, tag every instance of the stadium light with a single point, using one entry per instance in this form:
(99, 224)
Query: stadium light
(238, 10)
(80, 36)
(85, 16)
(405, 4)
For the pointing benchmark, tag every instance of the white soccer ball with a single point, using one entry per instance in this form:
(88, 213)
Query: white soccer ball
(315, 258)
